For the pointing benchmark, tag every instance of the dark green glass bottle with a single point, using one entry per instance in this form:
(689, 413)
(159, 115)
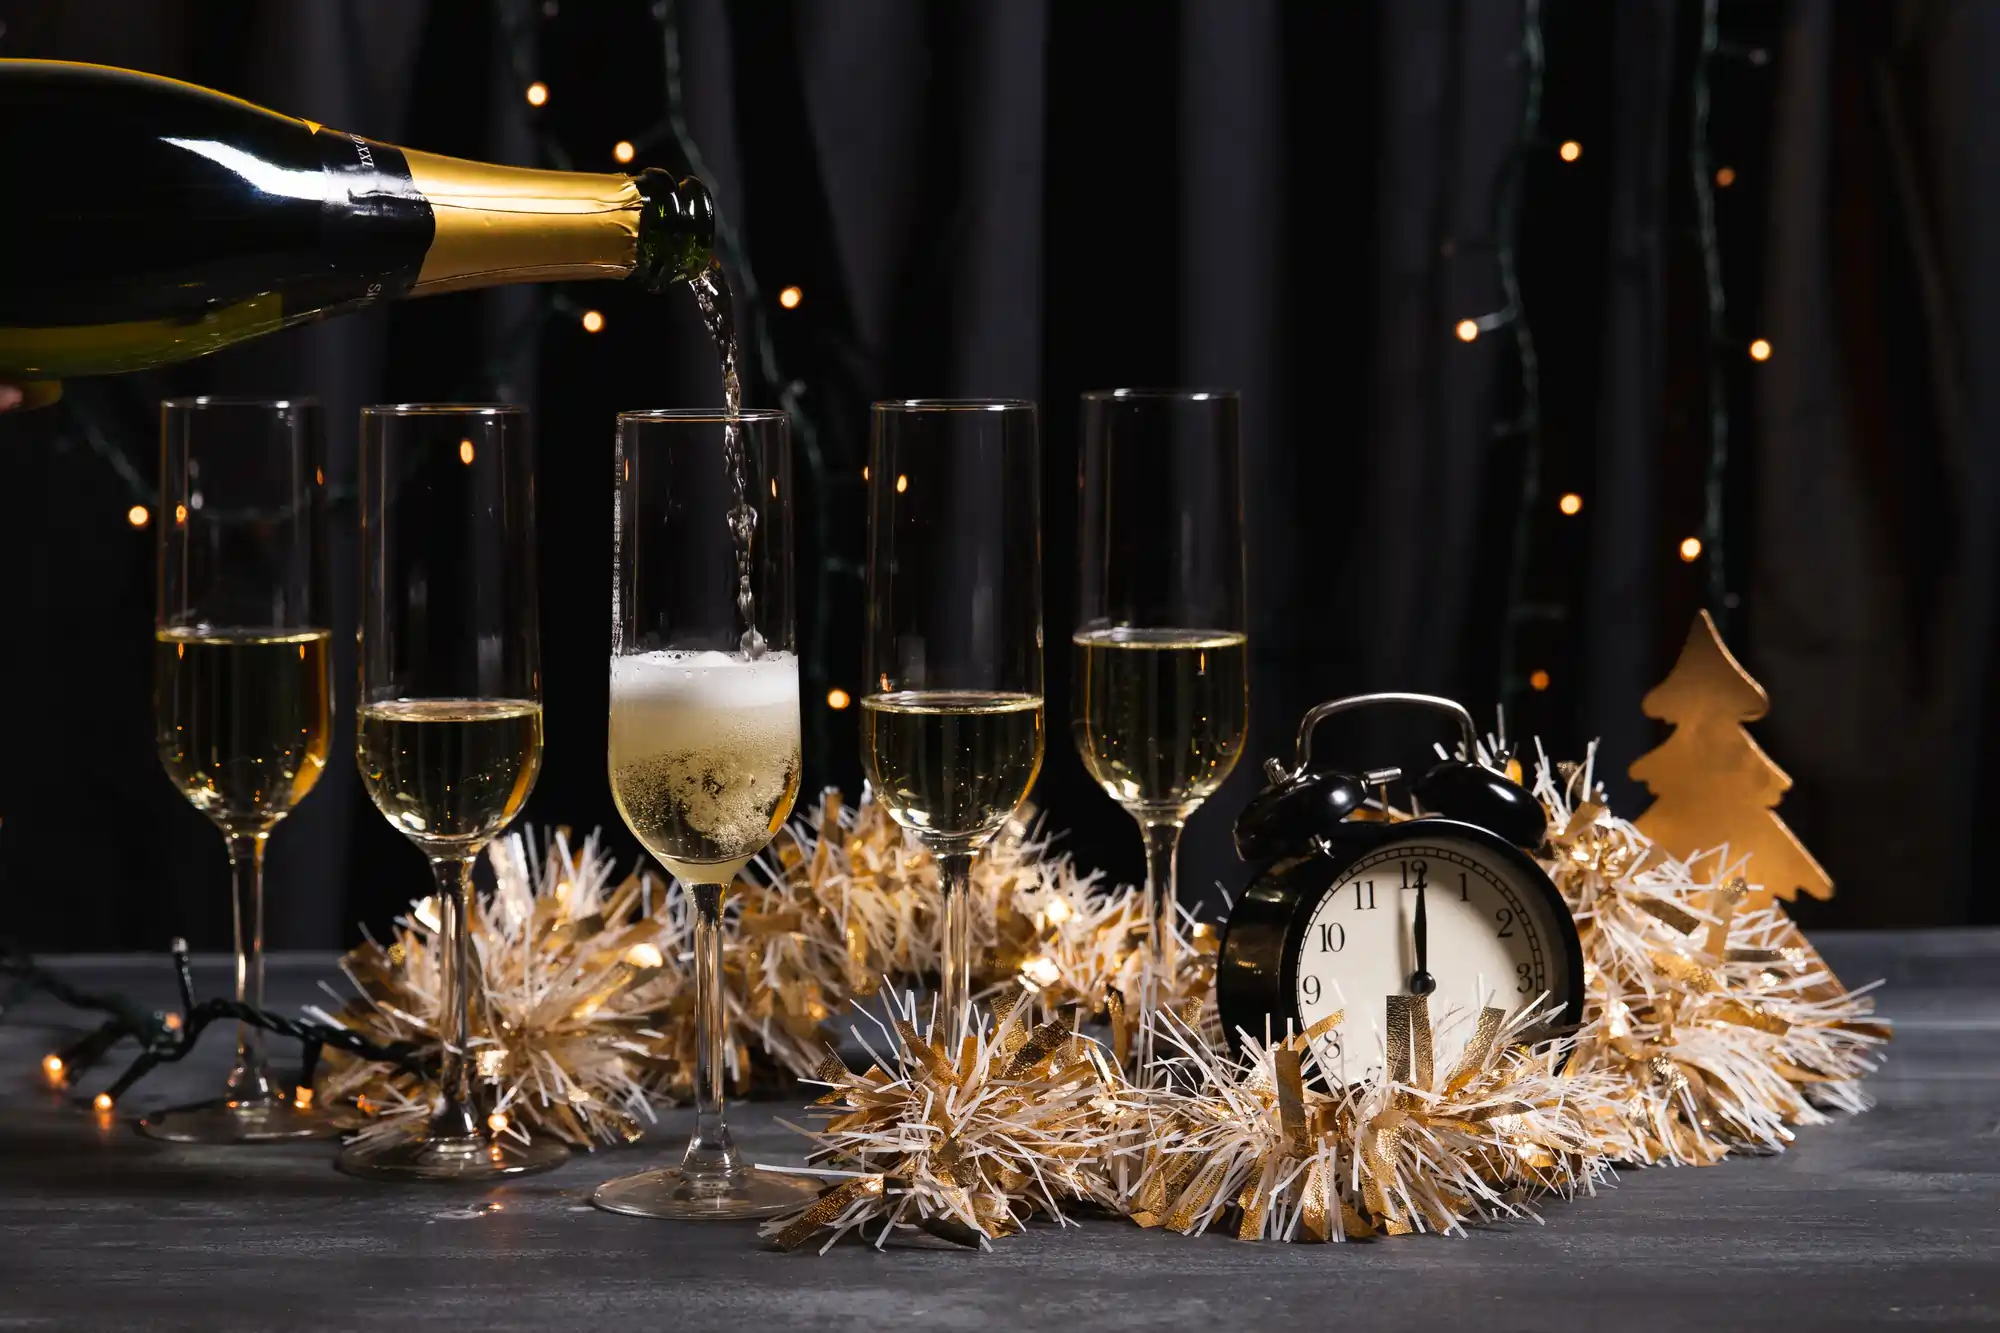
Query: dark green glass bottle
(151, 221)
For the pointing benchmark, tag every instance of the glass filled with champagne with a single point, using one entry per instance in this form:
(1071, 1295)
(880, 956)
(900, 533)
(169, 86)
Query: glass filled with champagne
(242, 714)
(704, 738)
(1159, 687)
(951, 723)
(449, 721)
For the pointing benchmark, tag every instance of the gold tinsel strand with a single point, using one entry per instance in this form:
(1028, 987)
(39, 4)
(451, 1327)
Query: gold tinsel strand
(1025, 1121)
(964, 1144)
(583, 1013)
(1271, 1143)
(580, 1001)
(852, 903)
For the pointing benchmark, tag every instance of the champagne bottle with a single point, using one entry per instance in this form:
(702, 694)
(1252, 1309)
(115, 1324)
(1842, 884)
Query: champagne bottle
(152, 221)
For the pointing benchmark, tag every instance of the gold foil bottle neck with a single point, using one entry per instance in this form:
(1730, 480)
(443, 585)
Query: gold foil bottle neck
(500, 224)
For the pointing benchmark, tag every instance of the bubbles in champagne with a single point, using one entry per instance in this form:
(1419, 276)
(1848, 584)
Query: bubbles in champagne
(704, 753)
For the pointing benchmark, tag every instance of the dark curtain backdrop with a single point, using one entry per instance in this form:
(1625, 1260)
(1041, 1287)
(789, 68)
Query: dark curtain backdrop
(1024, 198)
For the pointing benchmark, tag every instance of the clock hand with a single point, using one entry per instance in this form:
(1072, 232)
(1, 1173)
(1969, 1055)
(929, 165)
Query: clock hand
(1421, 980)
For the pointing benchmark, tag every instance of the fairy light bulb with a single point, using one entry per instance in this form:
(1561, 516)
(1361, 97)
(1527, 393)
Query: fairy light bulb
(1570, 151)
(1690, 550)
(1760, 350)
(1467, 330)
(137, 516)
(790, 298)
(1571, 503)
(593, 321)
(837, 698)
(102, 1101)
(623, 151)
(1040, 972)
(538, 93)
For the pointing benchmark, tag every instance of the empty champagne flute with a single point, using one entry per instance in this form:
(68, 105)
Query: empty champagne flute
(450, 713)
(1160, 684)
(704, 744)
(951, 724)
(241, 708)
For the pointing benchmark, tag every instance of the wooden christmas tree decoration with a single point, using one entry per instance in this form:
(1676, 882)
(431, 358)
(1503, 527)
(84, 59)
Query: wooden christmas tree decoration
(1712, 783)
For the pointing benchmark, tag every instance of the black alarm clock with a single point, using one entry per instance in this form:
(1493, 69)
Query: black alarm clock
(1349, 907)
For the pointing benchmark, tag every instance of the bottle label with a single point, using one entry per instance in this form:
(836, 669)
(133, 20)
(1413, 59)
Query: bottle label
(375, 222)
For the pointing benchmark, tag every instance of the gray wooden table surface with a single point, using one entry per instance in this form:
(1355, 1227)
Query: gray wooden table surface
(1888, 1218)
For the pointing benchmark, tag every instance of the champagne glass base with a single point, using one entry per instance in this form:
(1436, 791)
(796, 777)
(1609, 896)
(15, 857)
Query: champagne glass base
(237, 1122)
(450, 1159)
(671, 1193)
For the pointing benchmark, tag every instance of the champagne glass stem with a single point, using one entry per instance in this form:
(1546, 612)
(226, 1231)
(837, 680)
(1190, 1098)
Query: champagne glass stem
(711, 1156)
(250, 1081)
(1163, 848)
(454, 1118)
(955, 979)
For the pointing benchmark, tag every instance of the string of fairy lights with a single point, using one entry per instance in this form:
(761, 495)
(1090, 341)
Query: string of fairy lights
(1528, 424)
(1726, 348)
(167, 1036)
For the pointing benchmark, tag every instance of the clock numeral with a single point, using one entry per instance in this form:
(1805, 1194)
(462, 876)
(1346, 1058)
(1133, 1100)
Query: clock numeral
(1527, 978)
(1332, 937)
(1359, 905)
(1310, 987)
(1505, 916)
(1464, 889)
(1420, 867)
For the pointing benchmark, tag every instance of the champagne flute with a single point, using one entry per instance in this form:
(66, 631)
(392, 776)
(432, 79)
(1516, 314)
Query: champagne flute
(1160, 685)
(450, 714)
(951, 728)
(241, 710)
(704, 752)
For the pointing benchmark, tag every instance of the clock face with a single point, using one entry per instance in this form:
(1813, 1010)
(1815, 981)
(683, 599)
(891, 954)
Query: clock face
(1492, 941)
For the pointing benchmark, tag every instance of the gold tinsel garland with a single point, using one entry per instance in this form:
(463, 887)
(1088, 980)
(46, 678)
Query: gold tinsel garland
(1707, 1030)
(583, 1010)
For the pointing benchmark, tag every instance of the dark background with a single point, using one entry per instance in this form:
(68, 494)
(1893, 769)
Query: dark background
(1033, 198)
